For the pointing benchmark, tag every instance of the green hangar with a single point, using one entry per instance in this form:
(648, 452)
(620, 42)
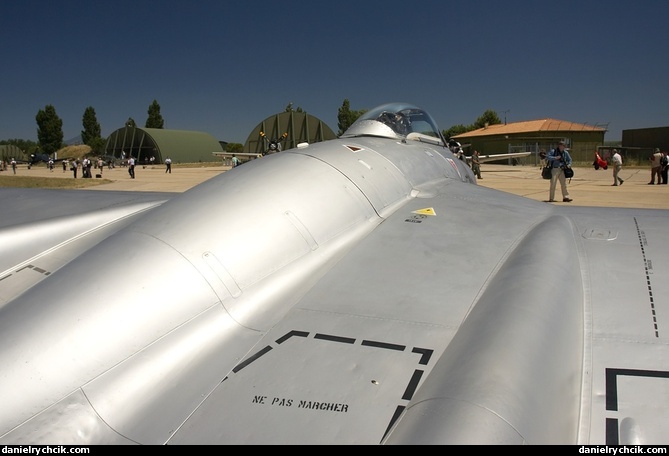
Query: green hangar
(182, 146)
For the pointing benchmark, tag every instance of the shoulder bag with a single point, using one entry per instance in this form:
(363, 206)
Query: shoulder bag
(568, 172)
(546, 172)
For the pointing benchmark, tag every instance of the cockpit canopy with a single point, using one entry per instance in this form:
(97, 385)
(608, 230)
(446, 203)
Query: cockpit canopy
(395, 121)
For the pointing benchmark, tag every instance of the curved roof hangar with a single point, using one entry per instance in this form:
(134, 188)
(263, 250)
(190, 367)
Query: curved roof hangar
(182, 146)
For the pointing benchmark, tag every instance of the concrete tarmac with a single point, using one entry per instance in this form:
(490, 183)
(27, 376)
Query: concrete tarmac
(588, 187)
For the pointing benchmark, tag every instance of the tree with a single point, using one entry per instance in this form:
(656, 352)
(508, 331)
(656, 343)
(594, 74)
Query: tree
(92, 131)
(289, 108)
(489, 117)
(49, 130)
(455, 130)
(346, 117)
(155, 120)
(234, 147)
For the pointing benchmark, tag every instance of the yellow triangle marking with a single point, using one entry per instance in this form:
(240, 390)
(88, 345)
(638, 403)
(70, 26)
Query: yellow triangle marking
(426, 211)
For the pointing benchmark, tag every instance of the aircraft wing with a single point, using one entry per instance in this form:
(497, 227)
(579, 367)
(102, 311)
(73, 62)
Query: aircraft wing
(248, 155)
(42, 230)
(362, 290)
(494, 157)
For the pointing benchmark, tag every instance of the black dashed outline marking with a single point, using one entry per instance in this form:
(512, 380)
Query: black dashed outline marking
(642, 237)
(612, 429)
(410, 389)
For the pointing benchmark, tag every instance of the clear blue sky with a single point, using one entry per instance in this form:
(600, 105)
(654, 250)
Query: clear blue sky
(222, 66)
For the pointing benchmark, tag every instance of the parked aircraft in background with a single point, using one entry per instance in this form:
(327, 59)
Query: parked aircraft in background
(494, 157)
(241, 155)
(274, 144)
(37, 158)
(361, 290)
(458, 151)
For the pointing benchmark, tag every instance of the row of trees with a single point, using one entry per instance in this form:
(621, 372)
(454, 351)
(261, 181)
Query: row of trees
(50, 130)
(50, 127)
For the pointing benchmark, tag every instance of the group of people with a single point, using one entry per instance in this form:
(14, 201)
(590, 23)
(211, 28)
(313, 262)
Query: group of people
(559, 159)
(659, 167)
(3, 165)
(86, 165)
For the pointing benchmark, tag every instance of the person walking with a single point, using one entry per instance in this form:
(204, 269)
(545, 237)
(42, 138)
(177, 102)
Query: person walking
(558, 159)
(235, 161)
(476, 164)
(168, 165)
(664, 167)
(617, 161)
(131, 167)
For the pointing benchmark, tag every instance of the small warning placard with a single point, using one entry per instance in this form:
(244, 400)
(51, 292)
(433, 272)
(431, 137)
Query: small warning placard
(426, 211)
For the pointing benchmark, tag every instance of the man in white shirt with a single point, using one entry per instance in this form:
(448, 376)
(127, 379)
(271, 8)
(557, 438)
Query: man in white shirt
(617, 162)
(131, 167)
(655, 167)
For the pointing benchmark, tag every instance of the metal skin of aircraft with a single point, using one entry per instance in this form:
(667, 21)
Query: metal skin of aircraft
(361, 290)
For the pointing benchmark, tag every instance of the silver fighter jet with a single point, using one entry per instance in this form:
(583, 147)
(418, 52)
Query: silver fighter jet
(362, 290)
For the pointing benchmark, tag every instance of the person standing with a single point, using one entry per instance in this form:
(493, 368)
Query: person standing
(168, 165)
(558, 159)
(664, 167)
(131, 167)
(655, 167)
(84, 168)
(13, 163)
(74, 167)
(235, 161)
(617, 161)
(476, 164)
